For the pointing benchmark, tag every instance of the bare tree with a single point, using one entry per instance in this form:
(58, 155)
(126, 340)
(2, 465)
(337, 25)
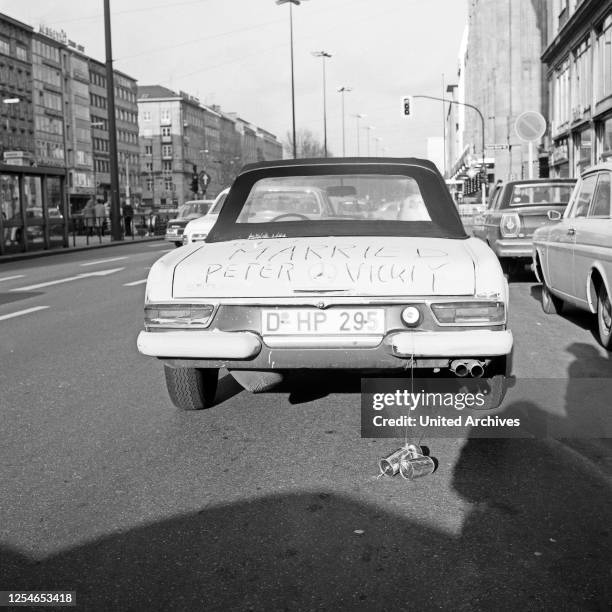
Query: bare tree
(307, 145)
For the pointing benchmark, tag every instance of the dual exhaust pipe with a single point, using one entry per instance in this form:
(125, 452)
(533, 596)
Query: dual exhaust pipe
(465, 367)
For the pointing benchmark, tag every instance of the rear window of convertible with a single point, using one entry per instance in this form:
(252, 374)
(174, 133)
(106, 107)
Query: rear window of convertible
(320, 204)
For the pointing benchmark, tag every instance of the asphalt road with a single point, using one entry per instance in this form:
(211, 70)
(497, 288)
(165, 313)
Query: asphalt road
(272, 501)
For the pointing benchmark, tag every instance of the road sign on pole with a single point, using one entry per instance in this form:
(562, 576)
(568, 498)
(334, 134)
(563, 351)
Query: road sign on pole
(530, 126)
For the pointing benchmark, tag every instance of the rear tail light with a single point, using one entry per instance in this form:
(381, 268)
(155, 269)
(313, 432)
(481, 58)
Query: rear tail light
(510, 225)
(181, 316)
(486, 313)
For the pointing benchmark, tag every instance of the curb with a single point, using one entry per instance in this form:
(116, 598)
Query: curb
(70, 249)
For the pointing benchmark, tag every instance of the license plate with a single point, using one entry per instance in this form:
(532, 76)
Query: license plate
(300, 321)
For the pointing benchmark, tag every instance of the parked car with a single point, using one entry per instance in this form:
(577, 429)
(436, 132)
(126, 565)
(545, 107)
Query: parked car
(268, 293)
(197, 229)
(191, 209)
(573, 258)
(515, 210)
(286, 202)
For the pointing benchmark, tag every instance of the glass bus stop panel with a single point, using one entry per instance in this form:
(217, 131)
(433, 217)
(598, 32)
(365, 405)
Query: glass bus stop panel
(32, 191)
(55, 214)
(10, 209)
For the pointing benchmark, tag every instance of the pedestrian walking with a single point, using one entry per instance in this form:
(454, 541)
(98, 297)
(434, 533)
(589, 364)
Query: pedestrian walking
(128, 213)
(89, 215)
(100, 215)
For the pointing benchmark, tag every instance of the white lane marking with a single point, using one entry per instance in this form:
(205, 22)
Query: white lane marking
(68, 279)
(100, 261)
(140, 282)
(168, 250)
(156, 246)
(12, 277)
(22, 312)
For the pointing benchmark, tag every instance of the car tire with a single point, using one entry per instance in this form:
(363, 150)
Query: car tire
(191, 388)
(178, 244)
(604, 318)
(551, 304)
(507, 268)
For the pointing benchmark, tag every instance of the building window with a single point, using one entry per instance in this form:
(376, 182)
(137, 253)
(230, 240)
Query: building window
(604, 60)
(167, 150)
(4, 46)
(581, 80)
(583, 145)
(149, 184)
(560, 97)
(21, 53)
(148, 149)
(167, 166)
(168, 185)
(146, 115)
(149, 166)
(165, 115)
(606, 141)
(166, 131)
(52, 101)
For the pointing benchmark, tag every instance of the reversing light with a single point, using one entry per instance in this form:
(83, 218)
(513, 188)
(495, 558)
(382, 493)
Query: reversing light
(411, 316)
(510, 225)
(470, 312)
(182, 316)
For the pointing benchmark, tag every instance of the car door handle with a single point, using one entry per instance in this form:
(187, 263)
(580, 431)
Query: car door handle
(571, 231)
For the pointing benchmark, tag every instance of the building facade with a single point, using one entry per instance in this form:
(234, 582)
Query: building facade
(500, 72)
(179, 136)
(126, 121)
(16, 91)
(578, 64)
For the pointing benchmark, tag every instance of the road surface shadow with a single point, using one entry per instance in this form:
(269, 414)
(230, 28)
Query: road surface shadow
(524, 545)
(583, 423)
(227, 387)
(16, 296)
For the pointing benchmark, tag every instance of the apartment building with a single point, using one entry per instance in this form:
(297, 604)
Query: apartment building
(179, 134)
(16, 99)
(499, 72)
(126, 120)
(578, 63)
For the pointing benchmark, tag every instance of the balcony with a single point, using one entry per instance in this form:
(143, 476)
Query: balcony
(166, 139)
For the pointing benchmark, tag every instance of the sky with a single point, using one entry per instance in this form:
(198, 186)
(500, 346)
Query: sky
(236, 53)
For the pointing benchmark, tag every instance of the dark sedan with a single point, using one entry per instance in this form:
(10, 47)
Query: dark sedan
(515, 210)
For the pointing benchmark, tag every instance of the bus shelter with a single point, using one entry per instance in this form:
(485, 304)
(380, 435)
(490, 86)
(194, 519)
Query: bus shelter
(33, 208)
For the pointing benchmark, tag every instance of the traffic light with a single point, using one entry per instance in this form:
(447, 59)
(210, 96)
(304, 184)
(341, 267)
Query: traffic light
(194, 183)
(407, 106)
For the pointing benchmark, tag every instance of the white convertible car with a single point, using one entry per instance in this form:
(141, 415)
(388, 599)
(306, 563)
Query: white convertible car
(286, 280)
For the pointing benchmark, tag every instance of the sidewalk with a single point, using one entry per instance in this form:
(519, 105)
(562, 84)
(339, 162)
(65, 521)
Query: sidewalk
(78, 243)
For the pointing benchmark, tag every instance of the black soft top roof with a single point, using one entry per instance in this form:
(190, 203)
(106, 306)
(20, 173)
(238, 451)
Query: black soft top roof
(445, 221)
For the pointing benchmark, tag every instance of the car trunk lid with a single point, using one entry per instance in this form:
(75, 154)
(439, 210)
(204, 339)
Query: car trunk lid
(361, 266)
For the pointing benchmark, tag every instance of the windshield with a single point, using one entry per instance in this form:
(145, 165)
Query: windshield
(367, 198)
(193, 209)
(216, 209)
(349, 199)
(540, 194)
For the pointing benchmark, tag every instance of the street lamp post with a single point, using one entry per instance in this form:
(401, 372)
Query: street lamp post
(342, 91)
(358, 116)
(377, 139)
(291, 3)
(323, 55)
(482, 122)
(369, 128)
